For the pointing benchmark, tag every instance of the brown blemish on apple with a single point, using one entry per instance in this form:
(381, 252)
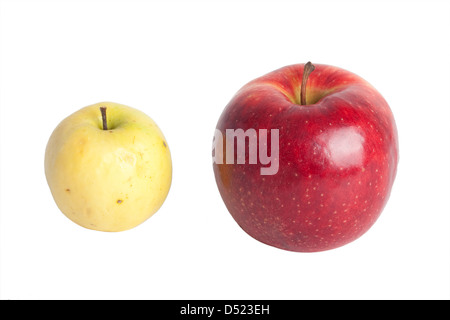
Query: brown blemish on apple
(68, 190)
(164, 144)
(119, 201)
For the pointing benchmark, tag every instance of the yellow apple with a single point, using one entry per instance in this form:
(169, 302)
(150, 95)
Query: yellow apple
(108, 167)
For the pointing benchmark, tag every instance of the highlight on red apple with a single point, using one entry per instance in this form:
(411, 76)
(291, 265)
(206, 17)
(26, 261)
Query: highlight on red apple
(305, 157)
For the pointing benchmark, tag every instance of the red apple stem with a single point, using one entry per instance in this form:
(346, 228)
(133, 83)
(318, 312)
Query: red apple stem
(308, 68)
(103, 111)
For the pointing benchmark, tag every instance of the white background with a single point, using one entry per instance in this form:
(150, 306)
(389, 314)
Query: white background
(181, 62)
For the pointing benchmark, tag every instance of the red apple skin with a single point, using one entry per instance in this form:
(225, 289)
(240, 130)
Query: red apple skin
(338, 158)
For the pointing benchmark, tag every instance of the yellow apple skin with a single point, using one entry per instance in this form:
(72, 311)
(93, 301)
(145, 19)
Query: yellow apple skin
(108, 180)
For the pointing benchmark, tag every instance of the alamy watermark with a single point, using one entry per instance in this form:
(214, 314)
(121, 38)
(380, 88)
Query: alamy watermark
(257, 147)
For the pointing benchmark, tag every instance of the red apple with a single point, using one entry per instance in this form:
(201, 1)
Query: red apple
(332, 167)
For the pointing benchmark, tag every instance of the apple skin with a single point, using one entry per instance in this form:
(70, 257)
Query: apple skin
(108, 180)
(338, 157)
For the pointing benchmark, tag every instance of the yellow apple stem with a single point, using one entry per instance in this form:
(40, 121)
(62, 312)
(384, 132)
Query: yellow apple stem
(103, 111)
(308, 68)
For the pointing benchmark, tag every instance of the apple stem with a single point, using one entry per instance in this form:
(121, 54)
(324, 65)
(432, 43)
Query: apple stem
(103, 111)
(308, 68)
